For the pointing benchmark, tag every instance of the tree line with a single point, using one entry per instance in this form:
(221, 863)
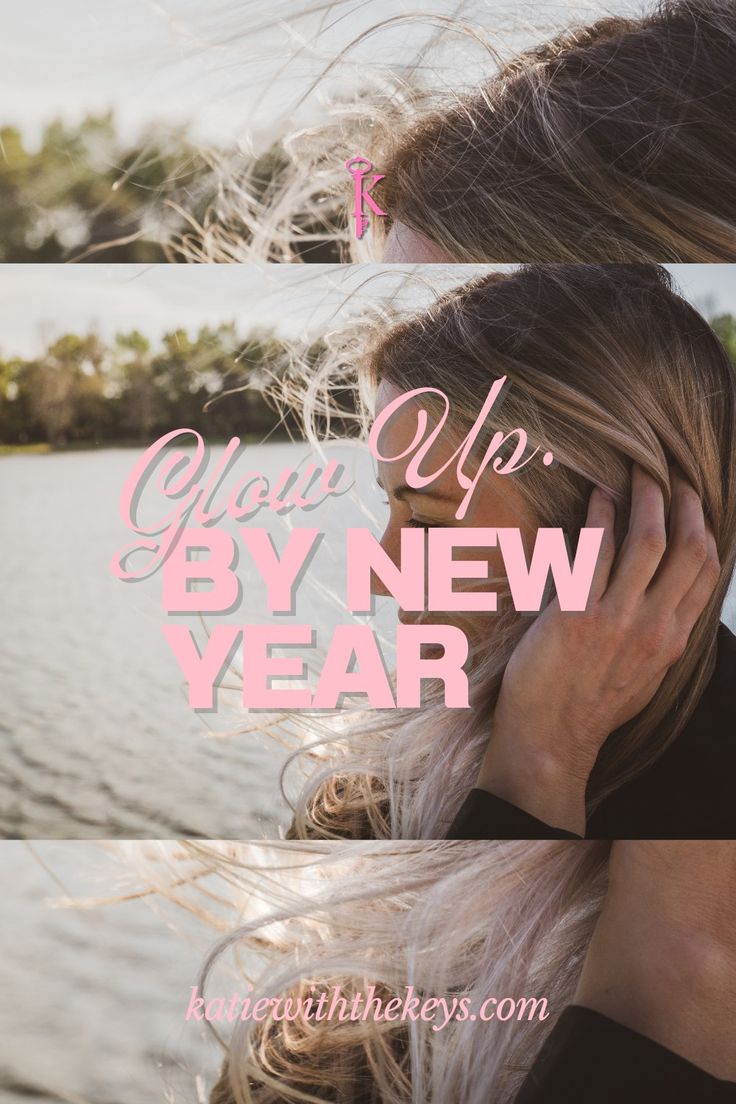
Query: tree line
(83, 390)
(85, 194)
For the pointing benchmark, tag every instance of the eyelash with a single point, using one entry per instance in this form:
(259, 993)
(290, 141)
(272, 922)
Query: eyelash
(414, 523)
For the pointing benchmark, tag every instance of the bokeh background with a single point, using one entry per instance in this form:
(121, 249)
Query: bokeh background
(117, 118)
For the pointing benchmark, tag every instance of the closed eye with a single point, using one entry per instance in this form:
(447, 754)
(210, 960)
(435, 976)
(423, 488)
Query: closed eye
(417, 523)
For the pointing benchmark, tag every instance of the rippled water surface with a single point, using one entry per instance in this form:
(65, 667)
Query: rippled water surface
(93, 1001)
(96, 736)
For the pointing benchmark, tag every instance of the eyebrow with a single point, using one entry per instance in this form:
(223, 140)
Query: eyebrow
(403, 489)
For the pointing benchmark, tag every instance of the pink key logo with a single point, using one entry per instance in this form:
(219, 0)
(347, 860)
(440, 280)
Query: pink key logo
(359, 168)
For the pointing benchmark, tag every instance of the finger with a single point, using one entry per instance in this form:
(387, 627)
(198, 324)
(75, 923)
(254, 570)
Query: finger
(687, 546)
(701, 592)
(645, 543)
(602, 515)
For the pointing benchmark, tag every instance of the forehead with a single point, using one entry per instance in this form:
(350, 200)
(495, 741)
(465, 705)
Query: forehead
(407, 246)
(401, 431)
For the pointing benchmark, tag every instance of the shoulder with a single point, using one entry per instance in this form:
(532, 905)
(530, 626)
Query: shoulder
(713, 722)
(726, 645)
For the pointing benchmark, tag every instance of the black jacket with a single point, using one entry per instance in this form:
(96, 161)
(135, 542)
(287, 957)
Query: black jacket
(589, 1059)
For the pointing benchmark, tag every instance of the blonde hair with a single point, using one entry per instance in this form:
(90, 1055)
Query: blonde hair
(608, 142)
(452, 919)
(612, 142)
(608, 366)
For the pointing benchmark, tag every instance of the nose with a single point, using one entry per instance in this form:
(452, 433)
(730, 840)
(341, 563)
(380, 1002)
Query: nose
(391, 545)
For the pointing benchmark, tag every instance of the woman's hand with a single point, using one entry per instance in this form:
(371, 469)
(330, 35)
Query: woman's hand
(576, 677)
(662, 959)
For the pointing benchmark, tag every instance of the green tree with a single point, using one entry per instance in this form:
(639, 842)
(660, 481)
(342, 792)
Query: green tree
(85, 195)
(725, 327)
(84, 390)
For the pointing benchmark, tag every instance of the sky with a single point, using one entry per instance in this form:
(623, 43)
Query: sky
(38, 302)
(210, 62)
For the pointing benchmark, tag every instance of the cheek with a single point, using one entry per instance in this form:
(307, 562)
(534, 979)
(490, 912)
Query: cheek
(493, 564)
(478, 626)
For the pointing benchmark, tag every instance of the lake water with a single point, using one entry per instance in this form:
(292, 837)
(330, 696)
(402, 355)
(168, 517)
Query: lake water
(97, 741)
(96, 737)
(93, 1001)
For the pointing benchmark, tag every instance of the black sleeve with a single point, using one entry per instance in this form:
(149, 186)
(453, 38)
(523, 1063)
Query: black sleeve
(588, 1058)
(484, 816)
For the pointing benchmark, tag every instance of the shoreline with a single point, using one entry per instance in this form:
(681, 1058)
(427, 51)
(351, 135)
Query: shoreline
(44, 448)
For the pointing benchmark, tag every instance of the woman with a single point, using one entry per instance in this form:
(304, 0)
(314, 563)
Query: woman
(614, 723)
(611, 142)
(631, 948)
